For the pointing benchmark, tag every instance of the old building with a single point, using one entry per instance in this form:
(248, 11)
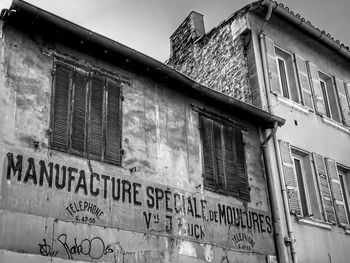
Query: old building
(266, 55)
(108, 155)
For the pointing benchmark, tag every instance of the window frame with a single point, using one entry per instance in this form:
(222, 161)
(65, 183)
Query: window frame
(305, 186)
(223, 122)
(291, 72)
(325, 98)
(324, 78)
(286, 76)
(89, 70)
(303, 157)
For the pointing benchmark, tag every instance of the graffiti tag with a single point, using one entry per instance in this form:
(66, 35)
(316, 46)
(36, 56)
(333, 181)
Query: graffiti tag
(94, 248)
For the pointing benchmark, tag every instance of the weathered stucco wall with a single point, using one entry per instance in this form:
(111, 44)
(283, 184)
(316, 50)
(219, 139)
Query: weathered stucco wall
(43, 220)
(216, 60)
(308, 131)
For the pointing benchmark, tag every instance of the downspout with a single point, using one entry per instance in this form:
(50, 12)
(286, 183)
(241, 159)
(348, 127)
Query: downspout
(290, 239)
(279, 241)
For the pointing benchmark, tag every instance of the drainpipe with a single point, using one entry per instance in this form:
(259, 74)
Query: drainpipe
(279, 241)
(290, 239)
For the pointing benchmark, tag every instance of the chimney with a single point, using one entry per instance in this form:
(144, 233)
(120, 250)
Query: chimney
(190, 30)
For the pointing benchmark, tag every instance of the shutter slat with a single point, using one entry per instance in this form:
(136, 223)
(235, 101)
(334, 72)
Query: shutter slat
(113, 131)
(206, 128)
(324, 187)
(334, 181)
(272, 66)
(304, 81)
(60, 123)
(241, 166)
(290, 178)
(230, 162)
(79, 111)
(317, 91)
(219, 161)
(343, 101)
(96, 117)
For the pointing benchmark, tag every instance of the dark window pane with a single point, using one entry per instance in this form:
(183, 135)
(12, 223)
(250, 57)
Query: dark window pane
(342, 183)
(298, 170)
(325, 99)
(283, 78)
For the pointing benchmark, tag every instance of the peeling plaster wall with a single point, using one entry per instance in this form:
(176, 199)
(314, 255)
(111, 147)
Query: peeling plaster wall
(216, 60)
(162, 150)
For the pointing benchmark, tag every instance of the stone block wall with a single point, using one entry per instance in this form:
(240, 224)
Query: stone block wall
(215, 60)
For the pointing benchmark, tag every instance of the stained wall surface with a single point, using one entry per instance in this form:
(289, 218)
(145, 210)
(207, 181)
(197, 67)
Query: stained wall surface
(232, 54)
(307, 131)
(58, 207)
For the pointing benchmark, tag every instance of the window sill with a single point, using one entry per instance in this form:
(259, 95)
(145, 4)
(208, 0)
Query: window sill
(335, 124)
(293, 104)
(315, 223)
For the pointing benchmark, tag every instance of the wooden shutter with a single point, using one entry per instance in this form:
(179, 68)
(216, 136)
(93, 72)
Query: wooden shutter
(241, 166)
(61, 105)
(304, 82)
(113, 125)
(316, 86)
(206, 128)
(230, 162)
(325, 191)
(219, 158)
(78, 133)
(337, 193)
(290, 178)
(96, 117)
(272, 66)
(343, 101)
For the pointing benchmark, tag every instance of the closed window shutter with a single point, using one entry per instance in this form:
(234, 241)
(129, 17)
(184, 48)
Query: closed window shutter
(290, 178)
(241, 166)
(96, 117)
(325, 191)
(272, 66)
(113, 130)
(304, 82)
(317, 91)
(230, 162)
(78, 133)
(206, 128)
(337, 193)
(219, 158)
(343, 101)
(60, 122)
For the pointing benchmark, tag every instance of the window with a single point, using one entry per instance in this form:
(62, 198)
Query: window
(86, 114)
(329, 97)
(224, 158)
(286, 75)
(307, 185)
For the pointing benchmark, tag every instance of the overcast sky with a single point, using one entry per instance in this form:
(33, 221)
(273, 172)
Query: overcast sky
(146, 25)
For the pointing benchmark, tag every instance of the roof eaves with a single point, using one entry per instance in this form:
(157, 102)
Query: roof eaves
(308, 27)
(33, 13)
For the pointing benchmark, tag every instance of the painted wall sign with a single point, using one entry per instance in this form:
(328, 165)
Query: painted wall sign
(116, 201)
